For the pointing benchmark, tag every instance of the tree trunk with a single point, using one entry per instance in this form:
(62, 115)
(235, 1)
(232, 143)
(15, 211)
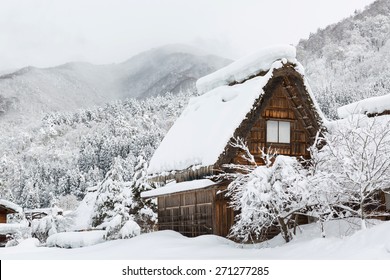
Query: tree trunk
(362, 216)
(363, 223)
(284, 229)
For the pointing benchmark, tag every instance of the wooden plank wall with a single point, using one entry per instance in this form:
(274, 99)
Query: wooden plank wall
(190, 213)
(224, 215)
(3, 218)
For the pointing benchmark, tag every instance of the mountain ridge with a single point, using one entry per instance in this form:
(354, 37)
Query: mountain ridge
(73, 85)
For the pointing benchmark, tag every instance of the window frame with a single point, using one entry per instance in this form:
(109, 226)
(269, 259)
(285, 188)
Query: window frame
(278, 121)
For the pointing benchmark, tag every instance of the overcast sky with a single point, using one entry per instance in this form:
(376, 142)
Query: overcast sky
(45, 33)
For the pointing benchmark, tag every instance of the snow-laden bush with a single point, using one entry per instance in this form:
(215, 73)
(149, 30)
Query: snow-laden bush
(129, 229)
(49, 225)
(267, 197)
(15, 232)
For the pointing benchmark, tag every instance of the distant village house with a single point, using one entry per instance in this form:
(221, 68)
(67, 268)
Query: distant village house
(7, 229)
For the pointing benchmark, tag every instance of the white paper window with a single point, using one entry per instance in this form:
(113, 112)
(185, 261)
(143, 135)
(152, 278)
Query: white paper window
(284, 132)
(272, 131)
(278, 132)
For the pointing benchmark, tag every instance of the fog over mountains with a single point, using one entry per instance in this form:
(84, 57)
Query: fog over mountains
(345, 62)
(173, 68)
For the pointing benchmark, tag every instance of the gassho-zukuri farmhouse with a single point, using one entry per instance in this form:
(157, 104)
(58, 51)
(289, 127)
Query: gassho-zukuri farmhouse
(263, 98)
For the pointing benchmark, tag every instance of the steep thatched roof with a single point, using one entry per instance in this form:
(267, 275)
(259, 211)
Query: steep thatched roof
(200, 137)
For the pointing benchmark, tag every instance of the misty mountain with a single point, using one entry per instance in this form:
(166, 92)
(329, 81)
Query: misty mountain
(173, 68)
(67, 87)
(349, 60)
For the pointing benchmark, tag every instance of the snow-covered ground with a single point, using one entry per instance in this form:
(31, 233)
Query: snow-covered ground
(342, 242)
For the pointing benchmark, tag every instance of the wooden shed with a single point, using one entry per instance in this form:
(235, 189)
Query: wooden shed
(6, 208)
(264, 99)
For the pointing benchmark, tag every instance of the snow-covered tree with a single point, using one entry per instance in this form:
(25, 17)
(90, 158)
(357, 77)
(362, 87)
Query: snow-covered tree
(144, 210)
(30, 195)
(112, 208)
(51, 224)
(353, 167)
(267, 196)
(68, 202)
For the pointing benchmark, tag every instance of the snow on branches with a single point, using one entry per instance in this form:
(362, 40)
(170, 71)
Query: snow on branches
(346, 176)
(119, 208)
(267, 196)
(113, 202)
(354, 166)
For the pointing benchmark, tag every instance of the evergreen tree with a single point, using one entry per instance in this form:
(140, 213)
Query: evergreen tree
(112, 202)
(144, 210)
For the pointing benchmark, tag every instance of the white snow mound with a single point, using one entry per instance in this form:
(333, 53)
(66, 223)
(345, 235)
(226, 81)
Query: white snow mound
(76, 239)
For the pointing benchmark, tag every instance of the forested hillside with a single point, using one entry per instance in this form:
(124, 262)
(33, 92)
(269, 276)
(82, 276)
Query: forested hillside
(69, 152)
(349, 60)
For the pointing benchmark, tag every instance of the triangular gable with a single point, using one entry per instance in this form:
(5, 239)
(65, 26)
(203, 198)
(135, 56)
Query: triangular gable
(300, 101)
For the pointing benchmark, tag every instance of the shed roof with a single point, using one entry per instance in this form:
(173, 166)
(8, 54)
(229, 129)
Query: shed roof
(373, 105)
(10, 207)
(174, 187)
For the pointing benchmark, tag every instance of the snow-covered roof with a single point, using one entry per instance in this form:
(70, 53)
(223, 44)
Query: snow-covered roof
(203, 130)
(373, 105)
(10, 205)
(246, 67)
(174, 187)
(200, 135)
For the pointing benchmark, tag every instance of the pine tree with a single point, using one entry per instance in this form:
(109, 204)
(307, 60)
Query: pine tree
(144, 210)
(112, 203)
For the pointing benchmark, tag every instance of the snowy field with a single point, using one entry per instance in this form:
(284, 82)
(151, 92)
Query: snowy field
(342, 242)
